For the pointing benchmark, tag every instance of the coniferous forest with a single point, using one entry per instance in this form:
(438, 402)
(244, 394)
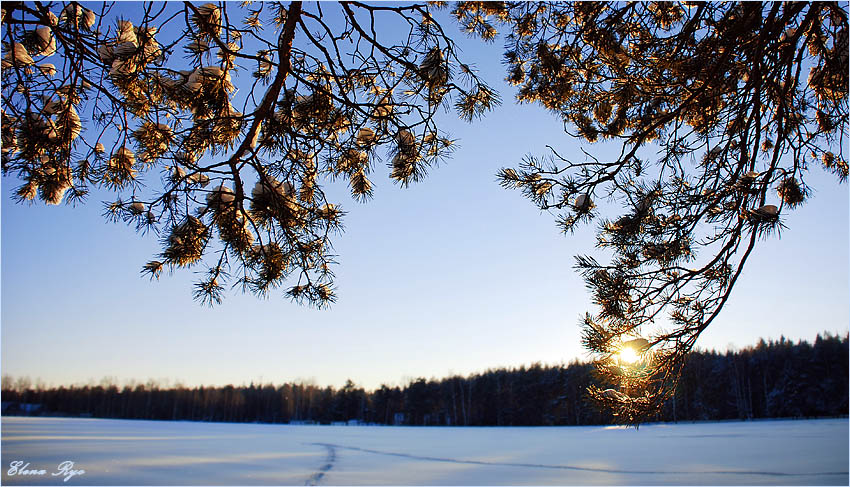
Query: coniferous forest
(771, 380)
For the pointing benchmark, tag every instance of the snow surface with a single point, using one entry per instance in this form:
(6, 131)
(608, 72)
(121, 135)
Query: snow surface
(123, 452)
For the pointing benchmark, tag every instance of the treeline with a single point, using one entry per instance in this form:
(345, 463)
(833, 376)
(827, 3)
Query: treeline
(772, 379)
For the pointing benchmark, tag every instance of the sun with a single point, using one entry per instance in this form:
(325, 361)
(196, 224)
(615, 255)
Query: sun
(633, 352)
(628, 355)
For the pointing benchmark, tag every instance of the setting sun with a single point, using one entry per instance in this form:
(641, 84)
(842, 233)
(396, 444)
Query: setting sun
(628, 355)
(633, 351)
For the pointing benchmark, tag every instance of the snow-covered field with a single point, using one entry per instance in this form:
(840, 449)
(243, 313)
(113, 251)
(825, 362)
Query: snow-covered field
(118, 452)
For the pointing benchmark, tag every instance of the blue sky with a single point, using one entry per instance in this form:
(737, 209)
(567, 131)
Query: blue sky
(451, 275)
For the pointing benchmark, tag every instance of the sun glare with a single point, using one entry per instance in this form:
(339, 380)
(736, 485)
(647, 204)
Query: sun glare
(628, 355)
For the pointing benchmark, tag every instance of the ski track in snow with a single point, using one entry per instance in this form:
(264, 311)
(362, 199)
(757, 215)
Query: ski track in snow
(332, 447)
(329, 464)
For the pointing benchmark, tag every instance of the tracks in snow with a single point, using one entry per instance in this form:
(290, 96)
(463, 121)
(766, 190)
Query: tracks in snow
(332, 448)
(330, 458)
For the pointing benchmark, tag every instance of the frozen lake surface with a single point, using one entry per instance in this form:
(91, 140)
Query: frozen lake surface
(122, 452)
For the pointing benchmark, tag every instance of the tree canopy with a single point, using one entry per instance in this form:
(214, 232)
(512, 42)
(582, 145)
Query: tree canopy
(719, 111)
(147, 108)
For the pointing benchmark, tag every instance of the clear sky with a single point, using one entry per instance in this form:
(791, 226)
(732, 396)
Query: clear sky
(452, 275)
